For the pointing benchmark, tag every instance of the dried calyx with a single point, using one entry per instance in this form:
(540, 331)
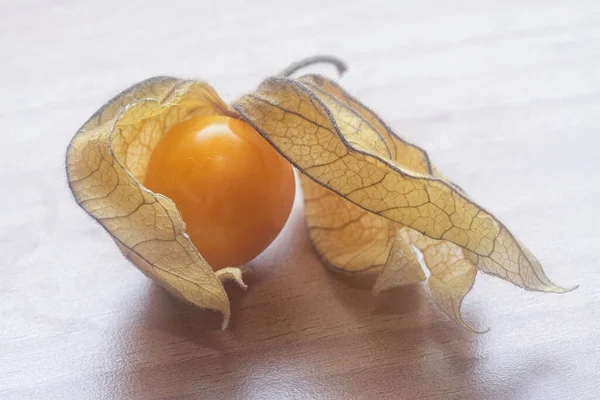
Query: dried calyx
(371, 198)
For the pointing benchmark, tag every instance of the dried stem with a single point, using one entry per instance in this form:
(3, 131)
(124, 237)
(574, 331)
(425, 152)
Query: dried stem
(336, 62)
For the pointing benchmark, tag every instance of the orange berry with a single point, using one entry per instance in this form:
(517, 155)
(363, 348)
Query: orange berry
(233, 190)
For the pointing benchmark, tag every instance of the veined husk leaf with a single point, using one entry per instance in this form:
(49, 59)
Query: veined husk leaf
(343, 148)
(351, 240)
(106, 163)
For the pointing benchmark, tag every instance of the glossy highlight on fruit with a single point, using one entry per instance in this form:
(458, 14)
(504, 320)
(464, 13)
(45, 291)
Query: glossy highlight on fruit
(234, 191)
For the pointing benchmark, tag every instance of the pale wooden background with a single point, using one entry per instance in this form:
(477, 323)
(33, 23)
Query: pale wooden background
(504, 94)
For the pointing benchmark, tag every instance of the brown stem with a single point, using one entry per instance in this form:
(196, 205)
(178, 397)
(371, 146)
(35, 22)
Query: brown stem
(336, 62)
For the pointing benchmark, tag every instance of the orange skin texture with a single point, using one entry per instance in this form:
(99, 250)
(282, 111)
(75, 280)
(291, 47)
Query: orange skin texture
(233, 190)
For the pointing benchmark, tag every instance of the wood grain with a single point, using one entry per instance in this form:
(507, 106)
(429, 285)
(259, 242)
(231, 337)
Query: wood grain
(504, 95)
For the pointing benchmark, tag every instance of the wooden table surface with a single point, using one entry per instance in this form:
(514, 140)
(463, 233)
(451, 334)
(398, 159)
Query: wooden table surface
(504, 95)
